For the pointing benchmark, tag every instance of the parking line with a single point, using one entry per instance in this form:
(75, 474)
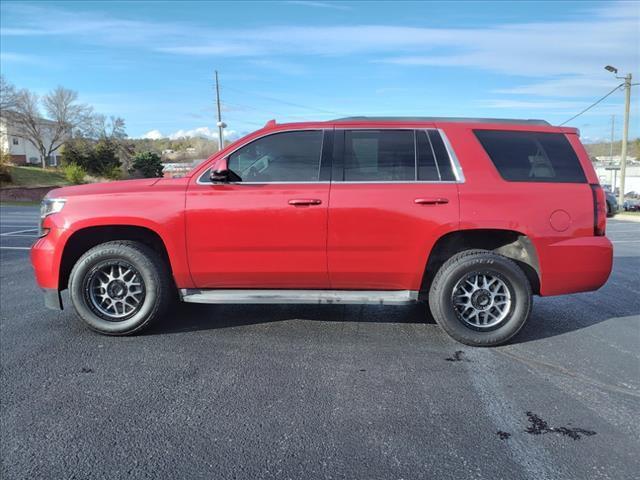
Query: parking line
(625, 241)
(8, 234)
(15, 248)
(16, 226)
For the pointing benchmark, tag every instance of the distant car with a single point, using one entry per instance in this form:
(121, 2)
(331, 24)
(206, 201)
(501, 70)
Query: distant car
(612, 203)
(631, 205)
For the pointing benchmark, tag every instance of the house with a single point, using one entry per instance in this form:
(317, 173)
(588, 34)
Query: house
(22, 151)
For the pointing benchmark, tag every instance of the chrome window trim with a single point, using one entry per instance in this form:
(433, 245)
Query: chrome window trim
(395, 182)
(267, 134)
(455, 164)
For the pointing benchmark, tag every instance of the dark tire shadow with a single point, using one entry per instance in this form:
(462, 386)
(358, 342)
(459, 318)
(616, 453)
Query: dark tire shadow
(187, 317)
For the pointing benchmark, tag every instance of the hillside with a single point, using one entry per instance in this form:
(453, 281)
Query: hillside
(35, 177)
(604, 149)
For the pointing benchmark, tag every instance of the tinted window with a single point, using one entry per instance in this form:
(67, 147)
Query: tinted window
(442, 156)
(532, 156)
(427, 169)
(379, 155)
(281, 157)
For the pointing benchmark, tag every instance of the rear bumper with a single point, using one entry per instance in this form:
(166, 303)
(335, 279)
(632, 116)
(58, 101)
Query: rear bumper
(575, 265)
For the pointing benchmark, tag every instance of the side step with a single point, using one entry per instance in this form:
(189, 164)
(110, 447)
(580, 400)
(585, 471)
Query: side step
(378, 297)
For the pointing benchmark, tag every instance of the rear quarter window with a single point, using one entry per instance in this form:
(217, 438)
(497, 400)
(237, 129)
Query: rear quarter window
(532, 156)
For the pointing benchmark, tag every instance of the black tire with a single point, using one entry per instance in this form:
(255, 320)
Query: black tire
(483, 262)
(156, 285)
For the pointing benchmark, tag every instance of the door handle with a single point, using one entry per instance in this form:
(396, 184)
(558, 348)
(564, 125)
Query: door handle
(431, 201)
(297, 202)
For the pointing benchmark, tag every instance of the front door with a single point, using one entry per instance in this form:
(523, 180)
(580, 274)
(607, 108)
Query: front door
(393, 194)
(268, 230)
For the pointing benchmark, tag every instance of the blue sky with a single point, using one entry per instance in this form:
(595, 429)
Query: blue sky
(152, 62)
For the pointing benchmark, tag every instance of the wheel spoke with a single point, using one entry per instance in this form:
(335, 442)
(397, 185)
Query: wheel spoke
(481, 300)
(116, 290)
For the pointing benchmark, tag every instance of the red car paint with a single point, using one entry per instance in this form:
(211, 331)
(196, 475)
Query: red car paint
(335, 235)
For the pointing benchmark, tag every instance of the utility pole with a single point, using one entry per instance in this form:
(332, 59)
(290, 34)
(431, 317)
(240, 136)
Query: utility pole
(613, 172)
(625, 136)
(221, 124)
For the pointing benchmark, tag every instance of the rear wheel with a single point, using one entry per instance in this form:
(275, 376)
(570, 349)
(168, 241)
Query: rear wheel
(480, 298)
(120, 287)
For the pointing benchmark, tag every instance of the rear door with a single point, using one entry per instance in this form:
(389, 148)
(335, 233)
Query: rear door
(393, 194)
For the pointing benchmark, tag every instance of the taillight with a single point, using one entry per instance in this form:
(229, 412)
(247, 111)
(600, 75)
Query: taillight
(599, 210)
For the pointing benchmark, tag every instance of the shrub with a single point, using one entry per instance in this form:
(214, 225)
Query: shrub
(74, 173)
(114, 173)
(98, 159)
(103, 159)
(5, 172)
(147, 164)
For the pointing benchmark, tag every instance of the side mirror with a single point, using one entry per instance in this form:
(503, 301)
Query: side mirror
(222, 174)
(219, 176)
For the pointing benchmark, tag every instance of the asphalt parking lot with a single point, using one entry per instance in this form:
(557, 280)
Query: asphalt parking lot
(319, 392)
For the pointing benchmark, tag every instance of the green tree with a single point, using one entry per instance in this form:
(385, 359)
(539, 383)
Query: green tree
(103, 160)
(77, 151)
(147, 164)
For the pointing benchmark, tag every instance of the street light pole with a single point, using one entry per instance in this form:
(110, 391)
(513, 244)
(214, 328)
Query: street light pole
(625, 136)
(613, 172)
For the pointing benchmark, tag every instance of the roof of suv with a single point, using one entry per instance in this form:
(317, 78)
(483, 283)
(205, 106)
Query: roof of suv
(444, 119)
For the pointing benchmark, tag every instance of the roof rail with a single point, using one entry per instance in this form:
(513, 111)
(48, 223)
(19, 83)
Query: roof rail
(443, 119)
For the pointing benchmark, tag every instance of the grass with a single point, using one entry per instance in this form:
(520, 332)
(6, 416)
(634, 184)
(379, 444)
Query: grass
(35, 177)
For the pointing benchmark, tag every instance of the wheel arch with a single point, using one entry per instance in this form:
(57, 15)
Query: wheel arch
(88, 237)
(511, 243)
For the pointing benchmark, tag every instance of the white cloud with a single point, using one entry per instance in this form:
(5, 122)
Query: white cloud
(11, 57)
(566, 87)
(153, 135)
(330, 5)
(520, 104)
(199, 132)
(569, 54)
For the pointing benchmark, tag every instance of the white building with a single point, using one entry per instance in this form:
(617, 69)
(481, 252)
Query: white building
(22, 151)
(615, 159)
(611, 177)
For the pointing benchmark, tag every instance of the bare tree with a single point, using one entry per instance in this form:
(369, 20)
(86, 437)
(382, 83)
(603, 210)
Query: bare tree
(66, 117)
(8, 95)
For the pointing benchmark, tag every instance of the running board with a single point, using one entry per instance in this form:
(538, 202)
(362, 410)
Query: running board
(377, 297)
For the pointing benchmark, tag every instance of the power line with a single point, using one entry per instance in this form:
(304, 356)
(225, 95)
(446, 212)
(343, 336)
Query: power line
(284, 102)
(592, 105)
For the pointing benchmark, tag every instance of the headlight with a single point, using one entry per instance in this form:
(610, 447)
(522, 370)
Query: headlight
(48, 207)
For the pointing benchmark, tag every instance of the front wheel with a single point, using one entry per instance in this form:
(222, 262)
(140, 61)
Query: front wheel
(480, 298)
(120, 287)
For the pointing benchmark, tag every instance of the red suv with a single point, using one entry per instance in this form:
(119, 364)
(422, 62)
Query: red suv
(473, 216)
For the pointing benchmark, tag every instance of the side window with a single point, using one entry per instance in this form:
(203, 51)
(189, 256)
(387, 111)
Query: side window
(427, 168)
(442, 157)
(379, 155)
(281, 157)
(532, 156)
